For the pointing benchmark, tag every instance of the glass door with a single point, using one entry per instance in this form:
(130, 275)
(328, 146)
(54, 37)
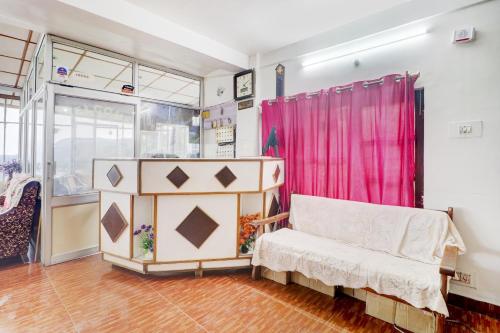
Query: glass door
(81, 125)
(85, 129)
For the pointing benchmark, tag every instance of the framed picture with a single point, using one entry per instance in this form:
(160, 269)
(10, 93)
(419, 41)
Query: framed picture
(245, 104)
(244, 84)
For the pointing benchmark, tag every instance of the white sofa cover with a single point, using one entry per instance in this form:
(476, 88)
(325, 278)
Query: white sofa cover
(392, 250)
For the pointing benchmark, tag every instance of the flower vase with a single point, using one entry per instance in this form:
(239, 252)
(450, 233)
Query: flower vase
(148, 255)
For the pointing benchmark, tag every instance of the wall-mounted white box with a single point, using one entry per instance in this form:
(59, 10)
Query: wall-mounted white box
(464, 35)
(465, 129)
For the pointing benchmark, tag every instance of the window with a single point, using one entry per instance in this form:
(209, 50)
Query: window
(39, 137)
(85, 129)
(40, 61)
(169, 131)
(83, 68)
(29, 140)
(168, 87)
(9, 129)
(30, 85)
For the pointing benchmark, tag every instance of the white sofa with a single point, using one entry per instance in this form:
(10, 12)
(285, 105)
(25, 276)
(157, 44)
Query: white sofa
(400, 252)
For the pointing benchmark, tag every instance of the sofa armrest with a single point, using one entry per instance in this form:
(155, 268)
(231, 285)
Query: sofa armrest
(449, 261)
(272, 219)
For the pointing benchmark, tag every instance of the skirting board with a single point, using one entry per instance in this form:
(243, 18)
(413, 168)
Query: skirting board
(470, 304)
(59, 258)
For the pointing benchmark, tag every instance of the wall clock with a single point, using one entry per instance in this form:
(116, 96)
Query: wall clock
(244, 84)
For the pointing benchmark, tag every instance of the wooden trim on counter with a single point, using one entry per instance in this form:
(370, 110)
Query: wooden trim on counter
(115, 255)
(264, 204)
(261, 173)
(273, 187)
(155, 226)
(99, 222)
(131, 227)
(197, 260)
(197, 193)
(113, 191)
(238, 217)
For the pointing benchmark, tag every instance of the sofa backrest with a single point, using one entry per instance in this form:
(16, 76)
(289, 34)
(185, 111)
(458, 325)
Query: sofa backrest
(414, 233)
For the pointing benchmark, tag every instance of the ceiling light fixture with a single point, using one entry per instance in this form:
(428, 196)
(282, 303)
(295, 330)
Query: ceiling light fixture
(361, 45)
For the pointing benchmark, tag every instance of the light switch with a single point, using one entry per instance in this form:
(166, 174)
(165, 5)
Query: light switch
(465, 129)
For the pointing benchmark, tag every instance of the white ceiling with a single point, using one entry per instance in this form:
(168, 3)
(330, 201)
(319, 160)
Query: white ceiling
(259, 26)
(16, 49)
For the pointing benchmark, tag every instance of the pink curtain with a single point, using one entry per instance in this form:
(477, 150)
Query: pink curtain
(354, 144)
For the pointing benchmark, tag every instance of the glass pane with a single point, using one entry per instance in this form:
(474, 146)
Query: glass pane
(169, 87)
(39, 137)
(87, 69)
(31, 85)
(11, 141)
(2, 153)
(85, 129)
(12, 112)
(169, 131)
(40, 61)
(29, 141)
(12, 130)
(2, 109)
(22, 129)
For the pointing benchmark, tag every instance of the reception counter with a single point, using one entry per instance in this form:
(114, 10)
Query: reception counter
(192, 207)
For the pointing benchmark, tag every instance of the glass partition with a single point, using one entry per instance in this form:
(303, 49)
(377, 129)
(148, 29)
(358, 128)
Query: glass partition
(168, 87)
(85, 129)
(169, 131)
(9, 129)
(40, 66)
(83, 68)
(29, 138)
(39, 137)
(30, 85)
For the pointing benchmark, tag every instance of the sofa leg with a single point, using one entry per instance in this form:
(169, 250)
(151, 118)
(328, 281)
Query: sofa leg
(256, 272)
(288, 278)
(440, 322)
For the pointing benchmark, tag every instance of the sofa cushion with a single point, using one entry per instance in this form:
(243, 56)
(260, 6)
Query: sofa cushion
(337, 263)
(414, 233)
(14, 191)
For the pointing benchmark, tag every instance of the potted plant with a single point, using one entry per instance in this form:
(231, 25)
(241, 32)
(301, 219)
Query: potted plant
(247, 232)
(10, 167)
(145, 238)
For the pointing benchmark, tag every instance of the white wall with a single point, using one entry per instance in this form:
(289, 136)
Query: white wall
(247, 120)
(212, 82)
(461, 83)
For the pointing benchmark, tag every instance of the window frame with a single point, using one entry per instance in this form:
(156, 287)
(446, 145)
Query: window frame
(175, 72)
(4, 123)
(151, 100)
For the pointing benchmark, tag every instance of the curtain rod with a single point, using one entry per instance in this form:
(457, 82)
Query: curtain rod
(341, 89)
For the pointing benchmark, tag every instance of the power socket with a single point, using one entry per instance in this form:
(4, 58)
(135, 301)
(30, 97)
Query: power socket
(466, 279)
(465, 129)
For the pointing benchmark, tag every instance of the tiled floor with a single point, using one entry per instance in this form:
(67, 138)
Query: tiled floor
(90, 295)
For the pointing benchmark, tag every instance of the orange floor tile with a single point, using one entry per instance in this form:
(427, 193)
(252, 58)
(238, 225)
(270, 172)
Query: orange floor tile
(89, 295)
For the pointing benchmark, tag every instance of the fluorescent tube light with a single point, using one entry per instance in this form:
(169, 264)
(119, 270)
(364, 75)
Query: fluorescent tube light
(363, 44)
